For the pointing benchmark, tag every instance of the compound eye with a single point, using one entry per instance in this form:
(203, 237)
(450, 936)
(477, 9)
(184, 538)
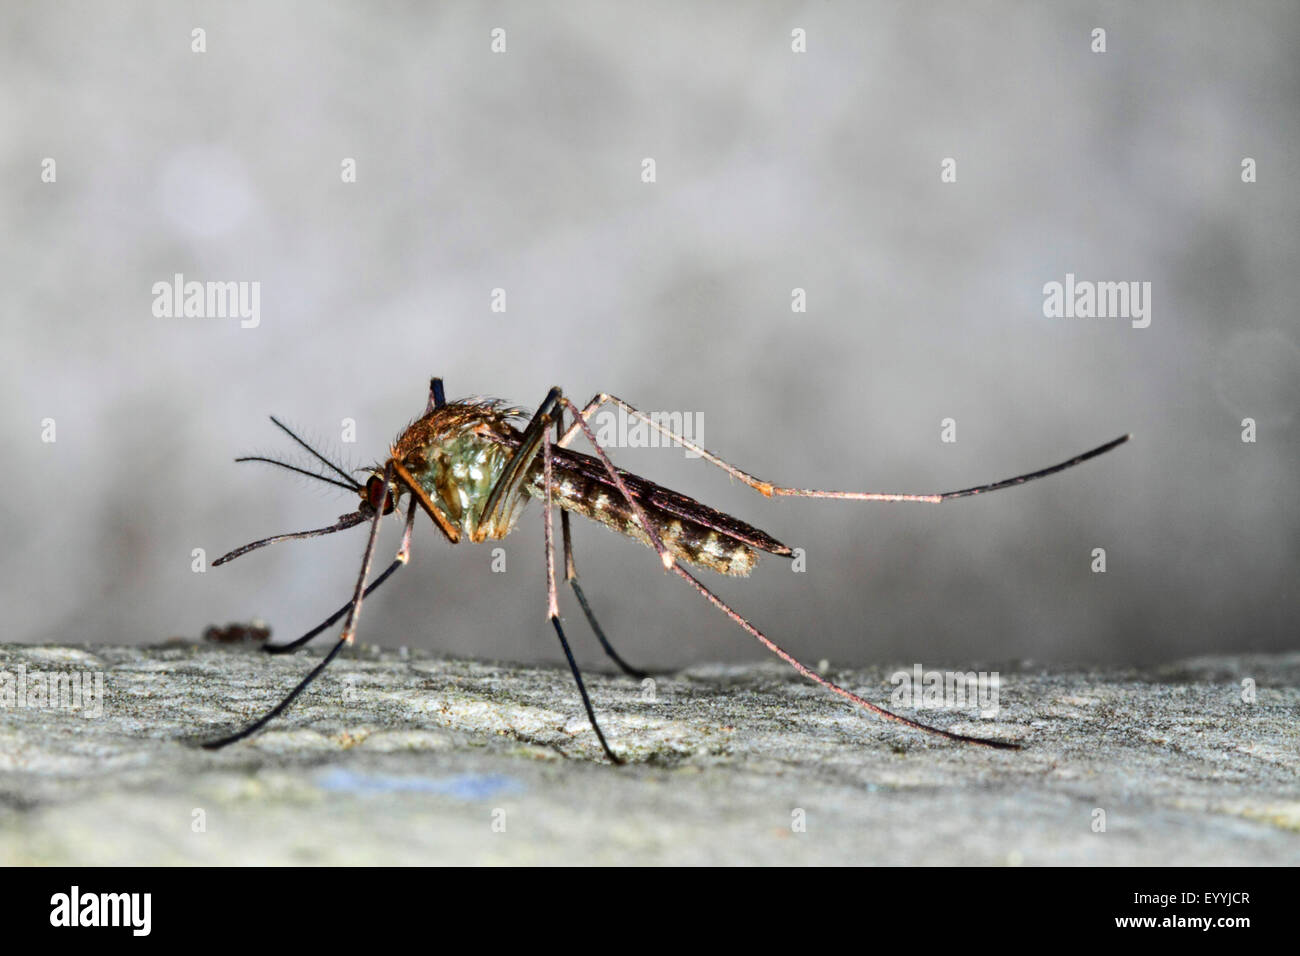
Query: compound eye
(375, 494)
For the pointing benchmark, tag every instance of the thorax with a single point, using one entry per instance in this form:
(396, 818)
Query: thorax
(457, 462)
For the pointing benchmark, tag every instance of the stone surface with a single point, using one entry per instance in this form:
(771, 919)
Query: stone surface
(396, 757)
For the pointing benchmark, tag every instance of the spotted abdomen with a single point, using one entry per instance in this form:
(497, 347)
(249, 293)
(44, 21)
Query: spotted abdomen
(575, 489)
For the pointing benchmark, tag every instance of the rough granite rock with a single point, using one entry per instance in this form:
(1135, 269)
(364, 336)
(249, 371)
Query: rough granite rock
(400, 757)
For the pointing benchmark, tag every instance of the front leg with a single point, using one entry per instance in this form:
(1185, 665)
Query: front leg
(506, 492)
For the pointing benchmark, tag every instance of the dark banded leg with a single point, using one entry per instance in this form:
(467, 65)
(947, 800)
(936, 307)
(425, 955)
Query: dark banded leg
(766, 641)
(349, 632)
(812, 675)
(571, 575)
(768, 489)
(403, 556)
(552, 605)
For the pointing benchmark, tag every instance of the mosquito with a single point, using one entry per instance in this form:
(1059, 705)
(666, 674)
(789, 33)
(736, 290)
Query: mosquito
(470, 467)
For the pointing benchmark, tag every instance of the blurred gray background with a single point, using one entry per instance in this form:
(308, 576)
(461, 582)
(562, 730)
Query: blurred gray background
(775, 170)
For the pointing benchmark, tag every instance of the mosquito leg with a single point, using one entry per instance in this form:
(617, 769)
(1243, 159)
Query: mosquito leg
(349, 631)
(571, 575)
(403, 556)
(772, 645)
(829, 685)
(552, 605)
(767, 489)
(585, 414)
(331, 620)
(279, 708)
(350, 627)
(807, 671)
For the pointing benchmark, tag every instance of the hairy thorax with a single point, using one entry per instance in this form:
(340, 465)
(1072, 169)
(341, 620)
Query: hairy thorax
(456, 454)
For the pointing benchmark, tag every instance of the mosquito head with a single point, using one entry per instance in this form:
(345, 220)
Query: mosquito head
(374, 494)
